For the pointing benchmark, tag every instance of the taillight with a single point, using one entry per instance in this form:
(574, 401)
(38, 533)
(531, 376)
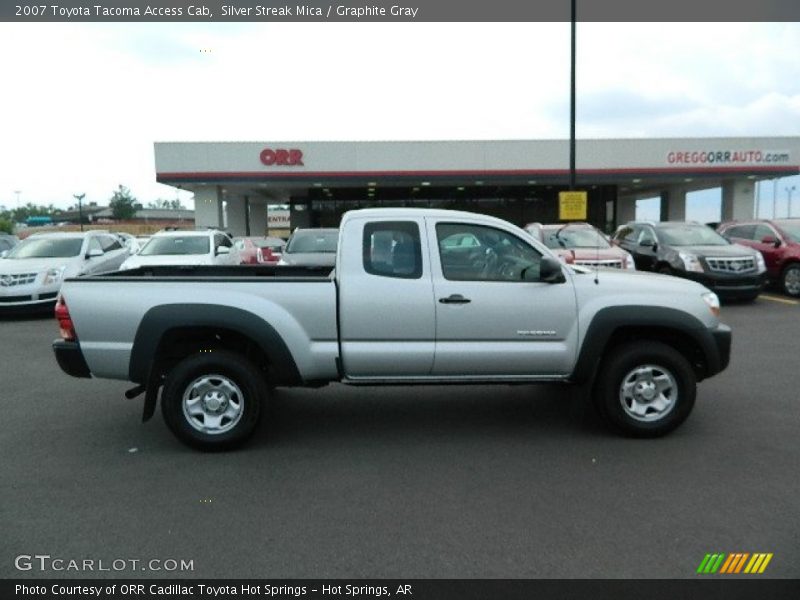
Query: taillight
(67, 329)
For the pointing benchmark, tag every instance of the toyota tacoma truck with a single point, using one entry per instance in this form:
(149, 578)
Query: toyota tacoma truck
(417, 296)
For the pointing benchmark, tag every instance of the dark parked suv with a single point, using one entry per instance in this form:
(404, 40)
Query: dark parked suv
(697, 252)
(778, 240)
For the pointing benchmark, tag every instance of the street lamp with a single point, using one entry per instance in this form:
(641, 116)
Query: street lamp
(17, 192)
(79, 197)
(789, 191)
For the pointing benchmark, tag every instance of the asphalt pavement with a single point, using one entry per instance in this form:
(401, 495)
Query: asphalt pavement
(422, 482)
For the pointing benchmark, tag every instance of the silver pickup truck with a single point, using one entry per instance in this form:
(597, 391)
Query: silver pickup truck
(417, 297)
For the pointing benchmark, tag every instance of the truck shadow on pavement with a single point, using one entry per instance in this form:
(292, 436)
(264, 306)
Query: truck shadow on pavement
(452, 412)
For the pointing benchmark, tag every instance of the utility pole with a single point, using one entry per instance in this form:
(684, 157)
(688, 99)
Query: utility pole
(572, 101)
(80, 197)
(789, 191)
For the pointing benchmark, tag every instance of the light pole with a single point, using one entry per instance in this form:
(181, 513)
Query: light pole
(17, 192)
(572, 98)
(79, 197)
(789, 191)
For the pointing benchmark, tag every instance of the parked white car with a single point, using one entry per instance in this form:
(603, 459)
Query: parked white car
(31, 273)
(183, 248)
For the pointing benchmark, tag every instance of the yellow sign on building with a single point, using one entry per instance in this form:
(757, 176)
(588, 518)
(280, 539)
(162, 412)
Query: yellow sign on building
(572, 206)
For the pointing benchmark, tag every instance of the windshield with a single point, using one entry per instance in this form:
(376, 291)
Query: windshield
(791, 229)
(574, 237)
(306, 242)
(176, 245)
(47, 248)
(690, 235)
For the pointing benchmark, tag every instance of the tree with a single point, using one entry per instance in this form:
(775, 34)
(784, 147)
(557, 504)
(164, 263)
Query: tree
(166, 204)
(6, 226)
(122, 204)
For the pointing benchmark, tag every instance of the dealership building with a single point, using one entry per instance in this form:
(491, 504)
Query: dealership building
(234, 183)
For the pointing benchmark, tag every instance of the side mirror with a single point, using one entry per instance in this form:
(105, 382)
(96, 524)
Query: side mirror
(94, 253)
(550, 270)
(771, 239)
(222, 250)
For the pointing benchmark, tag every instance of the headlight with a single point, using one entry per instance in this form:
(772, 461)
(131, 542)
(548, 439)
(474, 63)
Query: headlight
(53, 276)
(691, 262)
(761, 266)
(628, 262)
(711, 299)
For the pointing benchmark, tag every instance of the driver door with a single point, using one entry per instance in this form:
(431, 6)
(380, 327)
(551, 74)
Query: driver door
(489, 320)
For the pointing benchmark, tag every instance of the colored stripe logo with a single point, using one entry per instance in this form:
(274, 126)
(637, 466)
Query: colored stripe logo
(734, 563)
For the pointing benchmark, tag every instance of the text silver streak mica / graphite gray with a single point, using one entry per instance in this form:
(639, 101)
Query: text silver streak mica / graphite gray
(417, 296)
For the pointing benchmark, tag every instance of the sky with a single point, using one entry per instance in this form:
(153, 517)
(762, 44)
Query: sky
(82, 104)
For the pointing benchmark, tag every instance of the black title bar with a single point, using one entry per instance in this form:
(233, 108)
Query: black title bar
(705, 588)
(265, 11)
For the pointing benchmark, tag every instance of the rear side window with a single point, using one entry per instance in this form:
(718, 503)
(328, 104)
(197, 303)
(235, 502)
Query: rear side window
(762, 231)
(743, 232)
(626, 233)
(647, 236)
(109, 243)
(392, 249)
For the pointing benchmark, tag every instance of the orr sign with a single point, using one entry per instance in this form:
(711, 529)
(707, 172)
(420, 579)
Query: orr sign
(281, 157)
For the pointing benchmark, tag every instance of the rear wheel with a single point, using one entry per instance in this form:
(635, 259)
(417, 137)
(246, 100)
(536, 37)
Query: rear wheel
(790, 280)
(645, 389)
(213, 401)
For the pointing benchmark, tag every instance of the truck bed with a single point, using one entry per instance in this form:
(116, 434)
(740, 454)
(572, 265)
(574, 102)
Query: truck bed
(299, 303)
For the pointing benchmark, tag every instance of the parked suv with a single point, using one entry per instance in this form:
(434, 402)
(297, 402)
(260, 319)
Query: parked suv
(31, 273)
(695, 251)
(311, 248)
(778, 241)
(581, 244)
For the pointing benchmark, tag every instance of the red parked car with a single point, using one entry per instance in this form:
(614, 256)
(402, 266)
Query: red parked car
(778, 240)
(581, 244)
(258, 250)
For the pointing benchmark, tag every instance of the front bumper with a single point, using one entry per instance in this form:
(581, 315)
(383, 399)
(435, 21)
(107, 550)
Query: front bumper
(30, 295)
(70, 358)
(722, 341)
(730, 285)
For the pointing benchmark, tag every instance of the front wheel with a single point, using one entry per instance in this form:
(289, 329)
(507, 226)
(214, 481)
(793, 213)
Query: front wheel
(790, 280)
(645, 389)
(212, 401)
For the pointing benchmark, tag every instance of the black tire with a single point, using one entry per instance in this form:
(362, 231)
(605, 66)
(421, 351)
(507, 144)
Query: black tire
(618, 368)
(231, 381)
(791, 270)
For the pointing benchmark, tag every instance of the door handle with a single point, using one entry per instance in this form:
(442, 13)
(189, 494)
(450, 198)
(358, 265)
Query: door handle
(455, 299)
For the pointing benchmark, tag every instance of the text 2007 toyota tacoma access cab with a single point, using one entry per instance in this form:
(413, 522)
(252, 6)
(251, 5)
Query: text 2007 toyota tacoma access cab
(417, 297)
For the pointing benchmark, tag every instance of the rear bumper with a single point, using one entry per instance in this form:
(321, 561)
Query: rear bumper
(70, 358)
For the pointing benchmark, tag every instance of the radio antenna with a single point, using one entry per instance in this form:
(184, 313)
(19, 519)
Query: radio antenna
(597, 259)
